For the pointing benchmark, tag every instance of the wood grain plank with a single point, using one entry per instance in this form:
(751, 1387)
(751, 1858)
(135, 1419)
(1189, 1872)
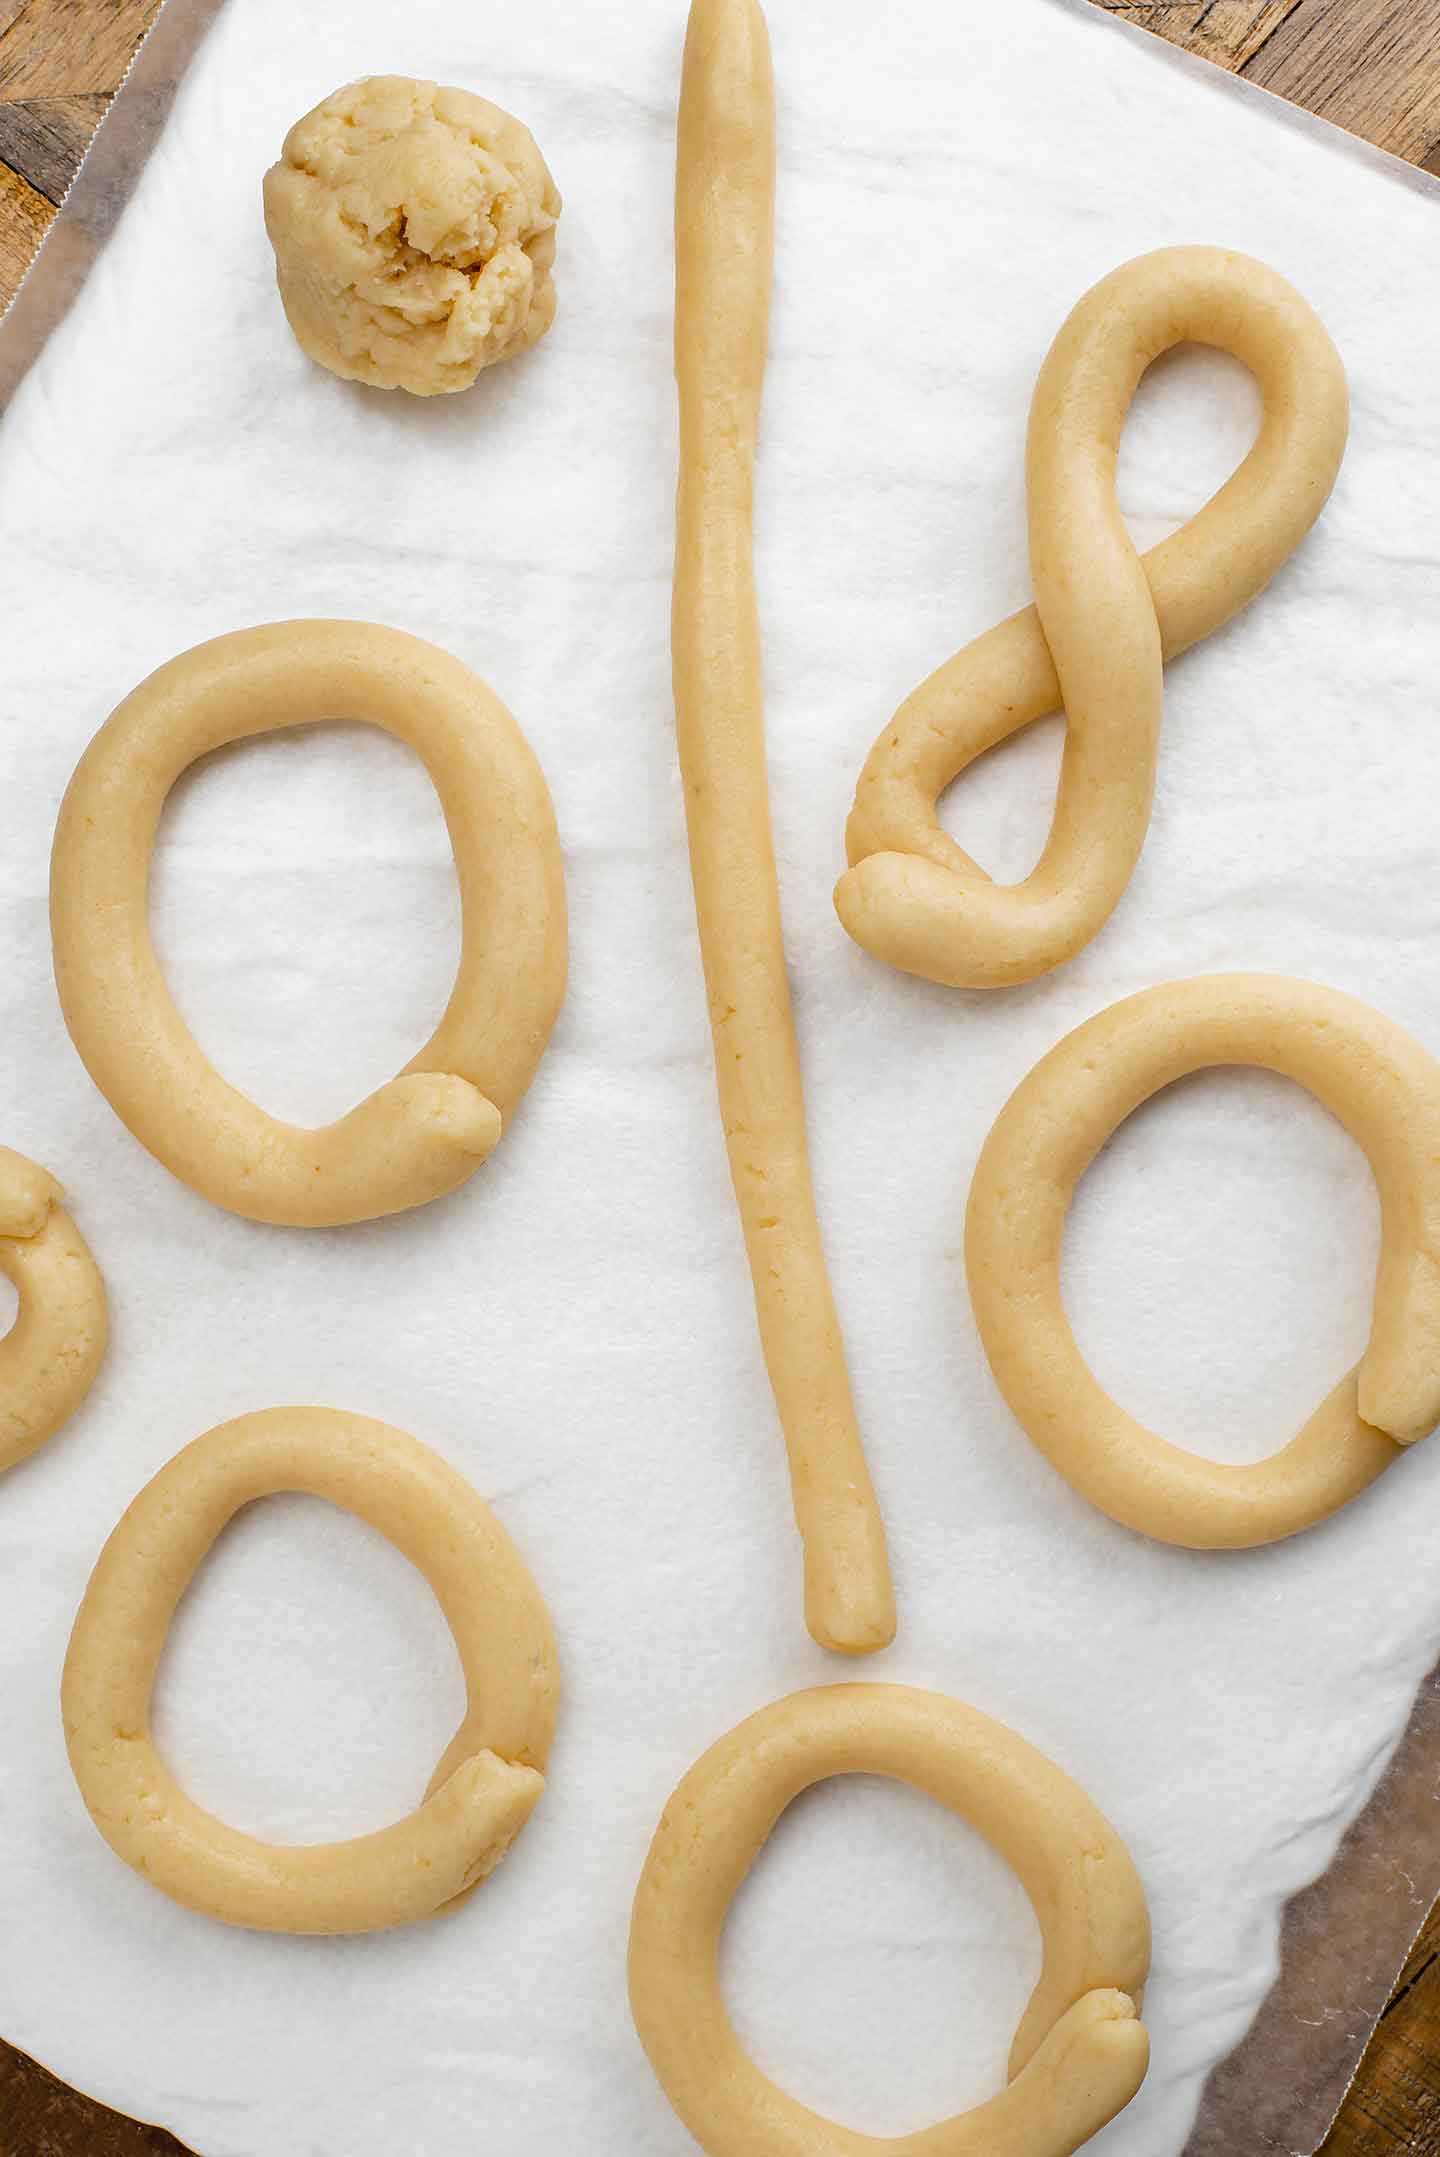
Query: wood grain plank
(61, 62)
(24, 215)
(1229, 32)
(1372, 66)
(71, 48)
(1394, 2106)
(44, 138)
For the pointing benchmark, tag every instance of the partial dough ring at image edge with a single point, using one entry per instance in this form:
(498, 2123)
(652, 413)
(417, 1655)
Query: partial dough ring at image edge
(428, 1129)
(1080, 2053)
(1379, 1084)
(1104, 624)
(49, 1358)
(491, 1775)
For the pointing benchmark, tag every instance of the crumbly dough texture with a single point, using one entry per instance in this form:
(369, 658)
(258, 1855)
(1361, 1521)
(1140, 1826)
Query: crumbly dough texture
(724, 228)
(1376, 1081)
(487, 1782)
(1104, 623)
(430, 1128)
(49, 1358)
(1080, 2053)
(414, 234)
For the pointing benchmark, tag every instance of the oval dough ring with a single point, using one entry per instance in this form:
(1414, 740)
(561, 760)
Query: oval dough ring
(490, 1776)
(1376, 1081)
(428, 1129)
(49, 1358)
(1080, 2053)
(1104, 623)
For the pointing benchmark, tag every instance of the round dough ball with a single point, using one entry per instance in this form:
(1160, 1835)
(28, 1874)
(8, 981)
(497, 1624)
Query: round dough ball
(414, 234)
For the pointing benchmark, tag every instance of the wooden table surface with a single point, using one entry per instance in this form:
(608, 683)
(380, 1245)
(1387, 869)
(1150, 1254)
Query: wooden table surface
(1372, 66)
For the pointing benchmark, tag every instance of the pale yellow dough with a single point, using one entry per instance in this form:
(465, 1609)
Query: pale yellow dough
(1381, 1085)
(49, 1358)
(428, 1129)
(414, 234)
(491, 1774)
(1104, 623)
(724, 221)
(1080, 2053)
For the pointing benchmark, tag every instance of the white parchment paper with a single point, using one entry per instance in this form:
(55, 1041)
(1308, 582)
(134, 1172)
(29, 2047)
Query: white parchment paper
(574, 1330)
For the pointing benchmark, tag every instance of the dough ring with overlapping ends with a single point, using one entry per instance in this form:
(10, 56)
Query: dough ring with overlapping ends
(1104, 623)
(430, 1128)
(49, 1358)
(1080, 2053)
(490, 1776)
(1379, 1084)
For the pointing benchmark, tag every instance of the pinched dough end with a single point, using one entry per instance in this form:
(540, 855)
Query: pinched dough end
(27, 1196)
(414, 234)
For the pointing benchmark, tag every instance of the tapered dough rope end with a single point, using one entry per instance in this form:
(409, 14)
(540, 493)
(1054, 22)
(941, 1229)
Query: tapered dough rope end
(724, 210)
(849, 1598)
(27, 1193)
(416, 1138)
(486, 1802)
(1399, 1393)
(453, 1119)
(1089, 2067)
(1398, 1381)
(727, 62)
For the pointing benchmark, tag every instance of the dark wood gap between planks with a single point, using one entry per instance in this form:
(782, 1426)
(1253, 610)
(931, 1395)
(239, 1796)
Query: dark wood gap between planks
(44, 138)
(61, 62)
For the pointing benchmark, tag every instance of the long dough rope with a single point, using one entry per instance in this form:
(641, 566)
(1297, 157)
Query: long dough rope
(491, 1775)
(1104, 623)
(49, 1358)
(1080, 2053)
(1381, 1085)
(724, 214)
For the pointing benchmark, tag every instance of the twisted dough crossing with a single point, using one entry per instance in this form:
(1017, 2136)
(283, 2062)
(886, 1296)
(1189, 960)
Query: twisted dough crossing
(1104, 623)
